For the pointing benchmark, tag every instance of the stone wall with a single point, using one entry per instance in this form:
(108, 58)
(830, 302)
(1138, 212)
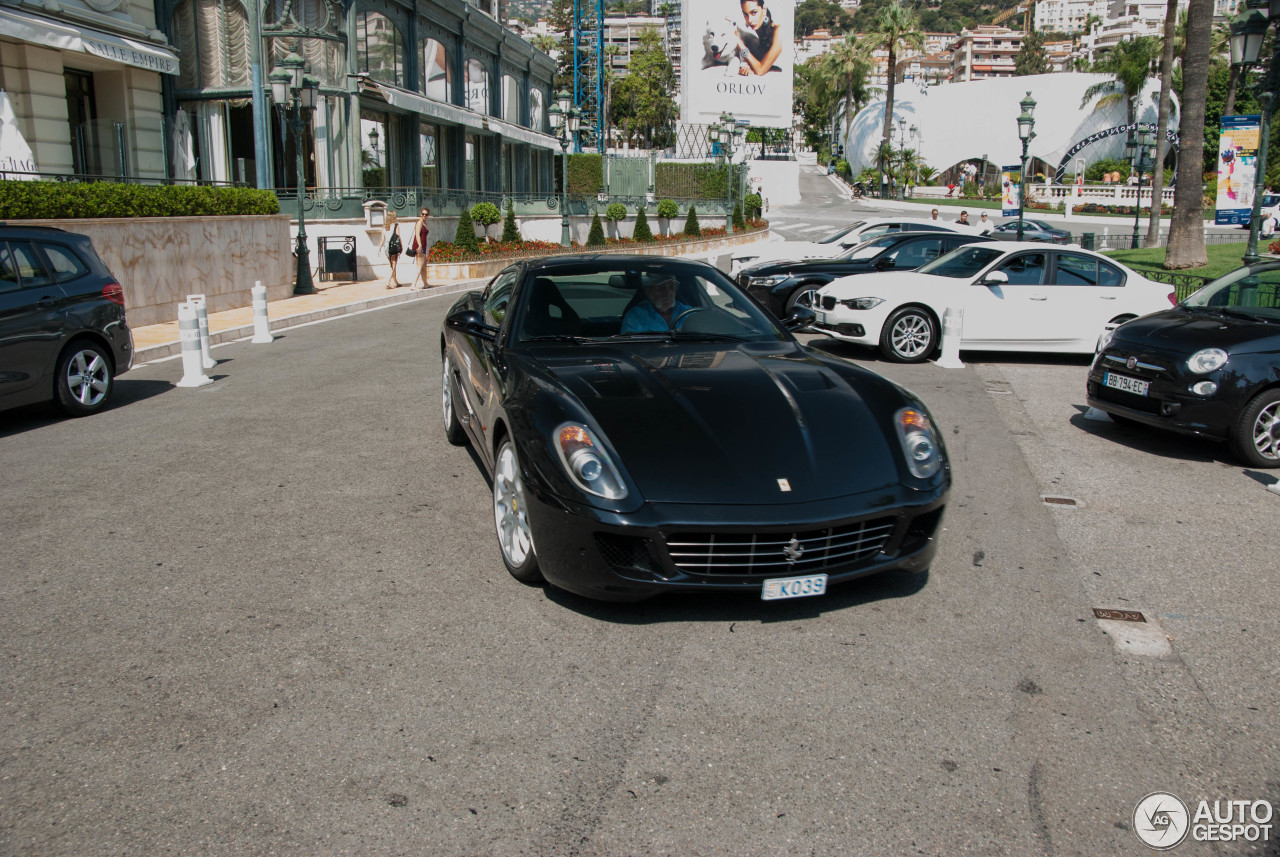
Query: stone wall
(159, 261)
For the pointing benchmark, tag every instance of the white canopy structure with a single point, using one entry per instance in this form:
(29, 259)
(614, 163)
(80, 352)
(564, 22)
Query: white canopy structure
(977, 120)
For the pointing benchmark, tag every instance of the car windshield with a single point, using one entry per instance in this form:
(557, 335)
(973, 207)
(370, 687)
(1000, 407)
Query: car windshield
(867, 249)
(601, 299)
(1248, 291)
(961, 262)
(840, 233)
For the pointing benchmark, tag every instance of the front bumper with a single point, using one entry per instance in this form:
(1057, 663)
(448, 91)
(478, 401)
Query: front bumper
(690, 548)
(1169, 402)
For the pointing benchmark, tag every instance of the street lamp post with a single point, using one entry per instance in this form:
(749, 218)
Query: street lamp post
(1026, 133)
(290, 83)
(1143, 159)
(564, 122)
(902, 148)
(1247, 33)
(373, 144)
(727, 131)
(915, 164)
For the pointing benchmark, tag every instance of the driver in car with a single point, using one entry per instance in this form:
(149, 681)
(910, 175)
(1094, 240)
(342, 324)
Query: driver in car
(657, 311)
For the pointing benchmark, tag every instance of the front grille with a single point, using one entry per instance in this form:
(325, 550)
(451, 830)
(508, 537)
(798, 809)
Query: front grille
(828, 302)
(1146, 404)
(772, 554)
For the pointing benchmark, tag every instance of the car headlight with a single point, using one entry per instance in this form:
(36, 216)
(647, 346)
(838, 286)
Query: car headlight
(1206, 360)
(862, 303)
(1104, 339)
(766, 282)
(586, 462)
(919, 442)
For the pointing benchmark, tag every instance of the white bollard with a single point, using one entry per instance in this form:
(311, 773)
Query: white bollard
(261, 323)
(189, 334)
(1098, 416)
(202, 318)
(1274, 487)
(952, 327)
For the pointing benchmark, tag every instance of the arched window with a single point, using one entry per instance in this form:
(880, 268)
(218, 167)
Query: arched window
(379, 48)
(537, 117)
(476, 92)
(510, 100)
(435, 70)
(315, 27)
(213, 44)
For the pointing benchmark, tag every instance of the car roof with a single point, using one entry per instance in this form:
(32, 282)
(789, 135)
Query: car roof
(613, 260)
(33, 230)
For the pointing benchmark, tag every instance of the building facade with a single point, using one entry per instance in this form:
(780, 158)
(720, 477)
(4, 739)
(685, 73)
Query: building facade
(984, 52)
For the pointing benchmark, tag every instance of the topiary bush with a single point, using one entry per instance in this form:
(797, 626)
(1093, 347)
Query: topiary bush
(668, 209)
(42, 200)
(595, 238)
(466, 234)
(486, 214)
(691, 227)
(739, 222)
(753, 205)
(510, 232)
(642, 231)
(616, 211)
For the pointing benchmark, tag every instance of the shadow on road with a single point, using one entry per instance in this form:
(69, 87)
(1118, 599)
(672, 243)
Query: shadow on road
(41, 414)
(1152, 440)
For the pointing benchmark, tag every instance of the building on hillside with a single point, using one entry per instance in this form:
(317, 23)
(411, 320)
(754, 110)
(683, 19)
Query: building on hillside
(927, 70)
(1068, 16)
(983, 52)
(622, 39)
(1128, 19)
(815, 44)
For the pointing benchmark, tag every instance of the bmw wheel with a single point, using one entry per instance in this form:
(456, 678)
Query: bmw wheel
(84, 380)
(1256, 436)
(910, 335)
(452, 427)
(511, 517)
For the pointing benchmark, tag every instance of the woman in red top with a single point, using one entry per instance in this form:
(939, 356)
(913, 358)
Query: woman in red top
(419, 244)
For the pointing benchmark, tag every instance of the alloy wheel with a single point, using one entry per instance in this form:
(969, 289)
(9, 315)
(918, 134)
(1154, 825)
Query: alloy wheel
(88, 378)
(911, 335)
(1266, 432)
(509, 508)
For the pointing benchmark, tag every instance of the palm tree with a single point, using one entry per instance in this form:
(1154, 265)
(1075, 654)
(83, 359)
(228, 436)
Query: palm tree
(1129, 63)
(844, 69)
(895, 25)
(1186, 231)
(1219, 45)
(1162, 125)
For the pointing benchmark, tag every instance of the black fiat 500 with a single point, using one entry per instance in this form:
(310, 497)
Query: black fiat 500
(1210, 366)
(648, 429)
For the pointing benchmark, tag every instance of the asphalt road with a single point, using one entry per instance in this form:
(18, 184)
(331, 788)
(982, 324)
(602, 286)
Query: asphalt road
(269, 616)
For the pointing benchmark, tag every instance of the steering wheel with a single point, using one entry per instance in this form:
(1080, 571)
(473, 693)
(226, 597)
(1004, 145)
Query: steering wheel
(675, 322)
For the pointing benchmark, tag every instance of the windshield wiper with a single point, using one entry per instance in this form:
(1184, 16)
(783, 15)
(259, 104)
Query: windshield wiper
(555, 337)
(709, 337)
(644, 334)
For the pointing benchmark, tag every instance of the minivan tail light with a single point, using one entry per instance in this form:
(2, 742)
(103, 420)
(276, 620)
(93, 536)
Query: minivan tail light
(114, 293)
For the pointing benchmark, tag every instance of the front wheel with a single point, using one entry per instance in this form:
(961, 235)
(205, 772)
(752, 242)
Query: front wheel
(84, 380)
(805, 296)
(909, 335)
(452, 426)
(511, 516)
(1256, 436)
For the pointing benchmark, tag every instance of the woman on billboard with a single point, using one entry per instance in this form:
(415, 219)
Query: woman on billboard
(762, 44)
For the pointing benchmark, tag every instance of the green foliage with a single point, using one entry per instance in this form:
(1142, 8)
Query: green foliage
(691, 226)
(374, 176)
(843, 169)
(586, 173)
(1097, 169)
(466, 234)
(753, 204)
(697, 181)
(595, 238)
(667, 208)
(616, 211)
(641, 104)
(510, 232)
(642, 231)
(739, 222)
(23, 200)
(821, 15)
(1031, 58)
(485, 213)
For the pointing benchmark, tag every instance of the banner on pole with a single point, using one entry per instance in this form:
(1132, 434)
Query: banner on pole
(1237, 168)
(1010, 190)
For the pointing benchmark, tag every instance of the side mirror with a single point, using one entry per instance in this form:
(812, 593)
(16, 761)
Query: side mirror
(996, 278)
(470, 322)
(885, 264)
(800, 318)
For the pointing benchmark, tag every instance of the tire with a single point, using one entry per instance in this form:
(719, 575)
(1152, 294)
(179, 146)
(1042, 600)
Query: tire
(804, 295)
(909, 335)
(84, 379)
(453, 430)
(510, 516)
(1256, 436)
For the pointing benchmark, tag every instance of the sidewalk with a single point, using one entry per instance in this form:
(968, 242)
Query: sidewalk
(335, 298)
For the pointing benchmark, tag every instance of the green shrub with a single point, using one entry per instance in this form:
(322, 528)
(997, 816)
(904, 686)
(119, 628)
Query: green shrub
(486, 214)
(586, 173)
(691, 226)
(843, 169)
(23, 200)
(595, 238)
(753, 205)
(668, 209)
(510, 232)
(642, 231)
(616, 211)
(739, 222)
(466, 234)
(697, 181)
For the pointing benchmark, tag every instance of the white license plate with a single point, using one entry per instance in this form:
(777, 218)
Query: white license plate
(821, 316)
(794, 587)
(1129, 385)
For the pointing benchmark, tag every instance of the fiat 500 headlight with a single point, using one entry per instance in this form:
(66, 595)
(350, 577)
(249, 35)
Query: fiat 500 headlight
(919, 442)
(1207, 360)
(862, 303)
(586, 462)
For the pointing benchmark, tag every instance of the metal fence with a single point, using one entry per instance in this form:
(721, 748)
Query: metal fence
(1122, 239)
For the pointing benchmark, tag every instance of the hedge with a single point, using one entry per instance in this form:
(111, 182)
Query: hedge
(693, 181)
(586, 173)
(42, 200)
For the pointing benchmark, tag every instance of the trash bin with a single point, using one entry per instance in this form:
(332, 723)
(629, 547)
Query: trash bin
(1087, 241)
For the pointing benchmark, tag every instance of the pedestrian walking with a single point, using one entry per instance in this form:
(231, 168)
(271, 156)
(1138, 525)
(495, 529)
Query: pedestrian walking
(419, 250)
(392, 249)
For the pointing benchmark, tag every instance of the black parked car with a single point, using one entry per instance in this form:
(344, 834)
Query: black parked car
(649, 429)
(782, 285)
(1210, 366)
(1032, 230)
(63, 333)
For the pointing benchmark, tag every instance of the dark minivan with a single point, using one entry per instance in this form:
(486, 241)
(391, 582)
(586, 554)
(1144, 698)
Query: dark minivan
(63, 333)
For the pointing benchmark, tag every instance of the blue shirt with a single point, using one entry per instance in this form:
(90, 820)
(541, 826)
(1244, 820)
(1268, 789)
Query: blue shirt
(643, 317)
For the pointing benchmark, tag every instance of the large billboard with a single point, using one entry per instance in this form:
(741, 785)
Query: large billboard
(738, 57)
(1237, 168)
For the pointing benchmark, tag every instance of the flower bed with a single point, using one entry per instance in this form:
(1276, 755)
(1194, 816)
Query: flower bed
(445, 253)
(1098, 208)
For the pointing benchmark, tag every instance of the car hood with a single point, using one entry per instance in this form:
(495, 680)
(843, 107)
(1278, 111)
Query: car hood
(799, 267)
(1188, 331)
(789, 250)
(726, 424)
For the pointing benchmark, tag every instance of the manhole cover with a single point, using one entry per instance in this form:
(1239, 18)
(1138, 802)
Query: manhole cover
(1060, 501)
(1118, 615)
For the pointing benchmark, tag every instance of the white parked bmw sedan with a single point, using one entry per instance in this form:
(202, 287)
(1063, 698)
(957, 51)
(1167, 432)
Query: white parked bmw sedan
(1015, 297)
